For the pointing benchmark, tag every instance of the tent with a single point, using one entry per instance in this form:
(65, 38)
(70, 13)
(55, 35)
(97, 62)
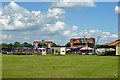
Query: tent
(115, 45)
(86, 50)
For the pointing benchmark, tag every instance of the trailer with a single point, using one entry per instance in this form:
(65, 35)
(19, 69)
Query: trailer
(58, 50)
(41, 51)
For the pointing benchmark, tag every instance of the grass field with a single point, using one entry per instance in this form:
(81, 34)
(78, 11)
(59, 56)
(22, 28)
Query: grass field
(68, 66)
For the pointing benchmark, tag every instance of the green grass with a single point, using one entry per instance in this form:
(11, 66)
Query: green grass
(68, 66)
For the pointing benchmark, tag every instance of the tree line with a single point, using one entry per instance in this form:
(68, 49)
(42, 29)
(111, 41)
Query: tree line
(15, 45)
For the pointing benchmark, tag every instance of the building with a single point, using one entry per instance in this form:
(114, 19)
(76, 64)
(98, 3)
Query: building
(43, 44)
(59, 50)
(112, 48)
(77, 44)
(22, 51)
(49, 44)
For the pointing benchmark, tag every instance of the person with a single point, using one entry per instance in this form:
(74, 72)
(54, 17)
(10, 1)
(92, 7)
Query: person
(98, 51)
(59, 53)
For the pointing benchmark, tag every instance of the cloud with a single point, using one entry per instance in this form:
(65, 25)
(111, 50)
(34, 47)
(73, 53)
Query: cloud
(73, 4)
(117, 10)
(26, 32)
(75, 35)
(67, 32)
(75, 28)
(15, 17)
(54, 28)
(105, 37)
(36, 12)
(26, 38)
(0, 11)
(34, 25)
(5, 36)
(55, 11)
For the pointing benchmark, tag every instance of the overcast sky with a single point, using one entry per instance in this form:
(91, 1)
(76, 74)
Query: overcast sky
(59, 22)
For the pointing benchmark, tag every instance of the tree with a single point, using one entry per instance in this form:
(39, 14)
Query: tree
(10, 47)
(68, 44)
(17, 44)
(54, 44)
(30, 45)
(97, 46)
(4, 45)
(25, 44)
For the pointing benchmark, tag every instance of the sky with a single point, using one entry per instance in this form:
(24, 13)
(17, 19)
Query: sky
(59, 21)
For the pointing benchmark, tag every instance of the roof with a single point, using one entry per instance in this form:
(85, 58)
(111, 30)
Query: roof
(37, 42)
(22, 48)
(41, 48)
(58, 46)
(44, 42)
(86, 48)
(103, 46)
(115, 43)
(48, 42)
(81, 38)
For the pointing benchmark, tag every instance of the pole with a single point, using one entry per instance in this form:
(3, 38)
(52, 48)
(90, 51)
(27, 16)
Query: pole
(42, 43)
(96, 43)
(85, 41)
